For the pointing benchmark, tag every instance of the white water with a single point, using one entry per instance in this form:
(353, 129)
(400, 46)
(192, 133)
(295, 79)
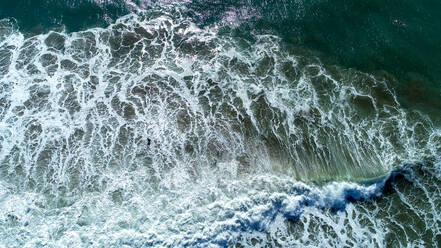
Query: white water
(154, 132)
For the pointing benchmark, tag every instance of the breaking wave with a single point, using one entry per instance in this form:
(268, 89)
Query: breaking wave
(156, 132)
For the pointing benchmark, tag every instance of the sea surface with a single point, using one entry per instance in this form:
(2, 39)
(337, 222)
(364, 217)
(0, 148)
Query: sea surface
(303, 123)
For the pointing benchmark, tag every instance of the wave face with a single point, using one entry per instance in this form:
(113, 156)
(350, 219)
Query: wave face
(157, 132)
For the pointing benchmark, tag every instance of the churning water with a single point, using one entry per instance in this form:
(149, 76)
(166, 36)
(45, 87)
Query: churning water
(158, 132)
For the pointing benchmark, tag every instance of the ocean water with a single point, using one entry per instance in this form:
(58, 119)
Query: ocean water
(220, 124)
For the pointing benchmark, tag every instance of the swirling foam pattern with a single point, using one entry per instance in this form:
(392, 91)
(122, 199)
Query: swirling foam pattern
(153, 132)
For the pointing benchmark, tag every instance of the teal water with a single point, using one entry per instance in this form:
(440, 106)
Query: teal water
(359, 35)
(40, 16)
(220, 123)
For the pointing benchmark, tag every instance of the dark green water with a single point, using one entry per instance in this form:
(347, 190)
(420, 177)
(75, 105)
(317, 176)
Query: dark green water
(353, 34)
(152, 132)
(40, 16)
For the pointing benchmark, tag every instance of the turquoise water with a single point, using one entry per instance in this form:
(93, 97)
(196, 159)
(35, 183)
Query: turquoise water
(220, 124)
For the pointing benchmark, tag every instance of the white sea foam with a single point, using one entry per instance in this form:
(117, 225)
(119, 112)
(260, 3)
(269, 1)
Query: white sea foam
(154, 132)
